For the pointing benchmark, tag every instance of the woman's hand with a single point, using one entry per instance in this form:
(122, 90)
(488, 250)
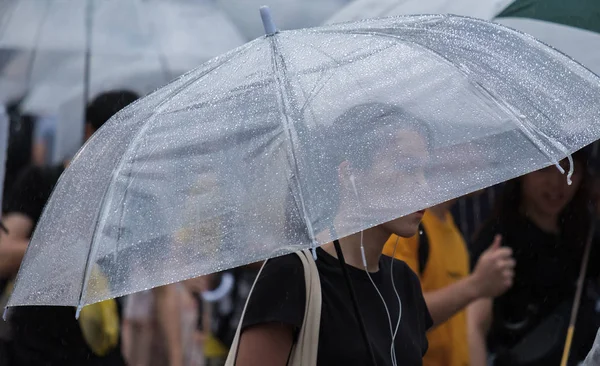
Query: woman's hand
(494, 272)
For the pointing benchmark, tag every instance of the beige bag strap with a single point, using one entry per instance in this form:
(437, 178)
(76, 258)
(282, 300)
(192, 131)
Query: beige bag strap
(304, 351)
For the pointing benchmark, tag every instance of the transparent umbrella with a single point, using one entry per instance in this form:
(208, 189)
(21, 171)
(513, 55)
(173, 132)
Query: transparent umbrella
(572, 27)
(63, 51)
(241, 159)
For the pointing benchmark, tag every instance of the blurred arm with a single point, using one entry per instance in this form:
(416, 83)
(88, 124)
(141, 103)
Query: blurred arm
(445, 302)
(493, 275)
(479, 320)
(38, 153)
(168, 314)
(14, 244)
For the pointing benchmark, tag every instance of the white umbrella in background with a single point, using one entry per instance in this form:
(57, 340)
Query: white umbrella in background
(290, 14)
(572, 27)
(67, 52)
(365, 9)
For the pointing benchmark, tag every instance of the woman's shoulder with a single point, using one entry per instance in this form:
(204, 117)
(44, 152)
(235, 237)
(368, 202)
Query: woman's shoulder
(278, 294)
(288, 264)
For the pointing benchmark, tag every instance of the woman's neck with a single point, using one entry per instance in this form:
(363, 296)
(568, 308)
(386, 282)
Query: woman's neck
(546, 222)
(373, 241)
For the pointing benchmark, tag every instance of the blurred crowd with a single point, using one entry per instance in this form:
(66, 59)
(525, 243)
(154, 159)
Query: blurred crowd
(499, 270)
(188, 323)
(544, 221)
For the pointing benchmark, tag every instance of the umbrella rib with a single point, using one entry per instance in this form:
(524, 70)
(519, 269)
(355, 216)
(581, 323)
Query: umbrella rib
(6, 12)
(34, 51)
(160, 54)
(261, 83)
(102, 208)
(528, 129)
(280, 74)
(314, 92)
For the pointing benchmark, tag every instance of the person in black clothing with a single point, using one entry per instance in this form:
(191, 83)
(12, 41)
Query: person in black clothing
(275, 310)
(20, 137)
(546, 223)
(48, 335)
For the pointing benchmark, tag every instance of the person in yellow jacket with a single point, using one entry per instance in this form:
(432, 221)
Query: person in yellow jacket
(438, 255)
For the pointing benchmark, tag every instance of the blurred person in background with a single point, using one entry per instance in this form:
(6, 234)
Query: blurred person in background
(223, 308)
(438, 255)
(546, 223)
(18, 155)
(145, 341)
(44, 140)
(49, 335)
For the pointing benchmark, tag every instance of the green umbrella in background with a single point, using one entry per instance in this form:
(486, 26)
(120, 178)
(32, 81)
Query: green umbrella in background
(572, 27)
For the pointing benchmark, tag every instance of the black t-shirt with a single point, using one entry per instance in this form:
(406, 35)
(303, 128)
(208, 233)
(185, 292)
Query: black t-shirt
(545, 277)
(279, 296)
(46, 335)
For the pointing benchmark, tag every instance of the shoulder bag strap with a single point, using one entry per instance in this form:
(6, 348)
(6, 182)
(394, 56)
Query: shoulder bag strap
(306, 348)
(304, 351)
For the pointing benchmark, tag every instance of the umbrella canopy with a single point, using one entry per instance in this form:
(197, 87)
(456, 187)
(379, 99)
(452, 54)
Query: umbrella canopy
(290, 14)
(70, 51)
(572, 27)
(299, 138)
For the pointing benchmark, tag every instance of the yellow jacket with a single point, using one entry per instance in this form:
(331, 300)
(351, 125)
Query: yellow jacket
(448, 262)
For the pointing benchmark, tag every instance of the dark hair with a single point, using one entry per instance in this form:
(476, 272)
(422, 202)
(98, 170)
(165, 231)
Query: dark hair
(575, 218)
(351, 135)
(105, 105)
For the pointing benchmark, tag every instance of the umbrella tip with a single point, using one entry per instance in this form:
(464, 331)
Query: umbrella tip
(267, 20)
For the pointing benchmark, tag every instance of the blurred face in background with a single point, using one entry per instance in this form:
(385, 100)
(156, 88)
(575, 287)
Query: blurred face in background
(546, 192)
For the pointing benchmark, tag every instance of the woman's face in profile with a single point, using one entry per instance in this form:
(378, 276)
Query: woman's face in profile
(397, 175)
(546, 191)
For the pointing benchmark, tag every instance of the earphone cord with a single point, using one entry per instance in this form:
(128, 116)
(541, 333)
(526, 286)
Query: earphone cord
(393, 331)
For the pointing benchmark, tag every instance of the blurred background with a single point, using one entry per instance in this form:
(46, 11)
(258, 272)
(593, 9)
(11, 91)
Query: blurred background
(58, 56)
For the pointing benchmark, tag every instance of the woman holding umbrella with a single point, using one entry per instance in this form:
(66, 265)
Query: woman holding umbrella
(389, 294)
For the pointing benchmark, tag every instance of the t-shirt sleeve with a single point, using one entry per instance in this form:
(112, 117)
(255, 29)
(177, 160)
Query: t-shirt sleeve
(279, 294)
(26, 195)
(407, 250)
